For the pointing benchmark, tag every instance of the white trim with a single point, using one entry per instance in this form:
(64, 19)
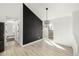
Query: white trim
(32, 43)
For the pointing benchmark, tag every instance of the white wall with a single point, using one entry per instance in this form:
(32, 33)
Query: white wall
(76, 29)
(63, 30)
(13, 10)
(66, 31)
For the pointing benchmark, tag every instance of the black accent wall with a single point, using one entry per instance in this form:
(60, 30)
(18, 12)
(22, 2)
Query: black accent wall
(1, 36)
(32, 26)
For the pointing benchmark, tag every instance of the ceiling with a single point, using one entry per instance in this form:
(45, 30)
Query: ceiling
(55, 10)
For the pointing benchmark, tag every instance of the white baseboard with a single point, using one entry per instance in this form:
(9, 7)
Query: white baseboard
(31, 43)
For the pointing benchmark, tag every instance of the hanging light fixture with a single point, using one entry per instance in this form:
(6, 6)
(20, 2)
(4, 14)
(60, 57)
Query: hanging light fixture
(46, 22)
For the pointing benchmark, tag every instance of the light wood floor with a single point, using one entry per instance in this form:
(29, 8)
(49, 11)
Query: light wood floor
(40, 48)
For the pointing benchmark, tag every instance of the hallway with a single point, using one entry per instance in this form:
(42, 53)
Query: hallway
(40, 48)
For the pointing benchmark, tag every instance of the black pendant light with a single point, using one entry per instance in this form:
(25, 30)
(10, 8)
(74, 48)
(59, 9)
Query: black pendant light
(46, 21)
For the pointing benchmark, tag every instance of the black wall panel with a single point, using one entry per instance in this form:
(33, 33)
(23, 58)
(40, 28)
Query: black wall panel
(1, 36)
(32, 26)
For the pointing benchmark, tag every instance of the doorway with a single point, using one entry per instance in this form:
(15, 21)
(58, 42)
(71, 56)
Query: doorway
(11, 29)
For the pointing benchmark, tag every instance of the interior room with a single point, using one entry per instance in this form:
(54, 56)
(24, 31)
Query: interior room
(39, 29)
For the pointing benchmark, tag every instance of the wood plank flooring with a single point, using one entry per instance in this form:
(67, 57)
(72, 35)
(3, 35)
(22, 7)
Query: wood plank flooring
(40, 48)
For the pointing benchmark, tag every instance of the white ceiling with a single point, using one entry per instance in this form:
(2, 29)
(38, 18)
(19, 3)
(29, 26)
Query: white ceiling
(56, 10)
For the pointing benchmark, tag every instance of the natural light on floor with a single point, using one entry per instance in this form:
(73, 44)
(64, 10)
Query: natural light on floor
(54, 44)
